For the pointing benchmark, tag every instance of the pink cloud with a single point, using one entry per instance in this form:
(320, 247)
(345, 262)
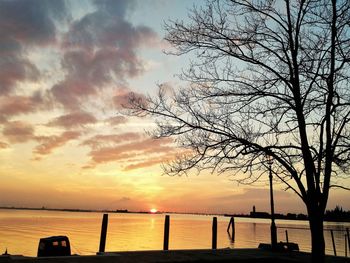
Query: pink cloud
(70, 92)
(100, 49)
(100, 141)
(140, 153)
(18, 132)
(14, 70)
(15, 105)
(73, 120)
(117, 120)
(48, 143)
(122, 98)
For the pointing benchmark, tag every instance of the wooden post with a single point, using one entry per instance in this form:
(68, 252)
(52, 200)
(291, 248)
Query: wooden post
(334, 249)
(229, 224)
(103, 233)
(287, 237)
(347, 233)
(166, 233)
(232, 225)
(233, 228)
(214, 233)
(346, 245)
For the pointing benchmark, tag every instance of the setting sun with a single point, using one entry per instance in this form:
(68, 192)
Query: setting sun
(153, 210)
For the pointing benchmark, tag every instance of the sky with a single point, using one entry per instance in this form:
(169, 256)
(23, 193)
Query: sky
(66, 68)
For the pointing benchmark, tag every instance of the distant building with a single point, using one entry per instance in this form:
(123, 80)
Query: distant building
(256, 214)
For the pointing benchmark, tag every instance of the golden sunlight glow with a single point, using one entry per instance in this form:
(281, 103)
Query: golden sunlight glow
(153, 210)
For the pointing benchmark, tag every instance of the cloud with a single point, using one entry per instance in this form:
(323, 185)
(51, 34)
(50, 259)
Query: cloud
(24, 24)
(30, 22)
(48, 143)
(3, 145)
(15, 105)
(100, 141)
(132, 150)
(117, 120)
(18, 131)
(100, 49)
(14, 69)
(73, 120)
(122, 97)
(148, 163)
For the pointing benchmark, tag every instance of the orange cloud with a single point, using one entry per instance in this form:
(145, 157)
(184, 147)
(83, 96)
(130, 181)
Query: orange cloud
(48, 143)
(148, 163)
(73, 120)
(18, 131)
(3, 145)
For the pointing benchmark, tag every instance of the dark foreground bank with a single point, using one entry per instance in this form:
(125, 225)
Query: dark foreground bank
(180, 256)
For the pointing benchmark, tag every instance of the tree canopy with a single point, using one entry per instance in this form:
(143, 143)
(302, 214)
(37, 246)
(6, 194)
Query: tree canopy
(268, 78)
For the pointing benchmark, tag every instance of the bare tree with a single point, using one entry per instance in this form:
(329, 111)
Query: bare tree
(268, 78)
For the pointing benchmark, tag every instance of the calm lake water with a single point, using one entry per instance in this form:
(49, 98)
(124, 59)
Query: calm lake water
(20, 231)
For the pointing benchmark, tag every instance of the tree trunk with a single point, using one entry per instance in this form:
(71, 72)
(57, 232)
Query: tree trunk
(317, 237)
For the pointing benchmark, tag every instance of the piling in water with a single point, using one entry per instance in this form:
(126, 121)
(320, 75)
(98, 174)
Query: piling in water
(214, 233)
(346, 245)
(287, 237)
(166, 233)
(334, 249)
(348, 235)
(103, 233)
(232, 225)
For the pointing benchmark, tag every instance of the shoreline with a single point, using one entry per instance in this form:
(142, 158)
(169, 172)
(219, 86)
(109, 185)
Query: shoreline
(160, 212)
(181, 256)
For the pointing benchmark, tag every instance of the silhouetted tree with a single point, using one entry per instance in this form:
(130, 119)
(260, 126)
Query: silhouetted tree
(337, 215)
(268, 78)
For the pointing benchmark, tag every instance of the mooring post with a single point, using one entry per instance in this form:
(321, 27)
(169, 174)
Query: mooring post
(287, 237)
(233, 228)
(334, 249)
(103, 233)
(231, 225)
(346, 246)
(166, 233)
(214, 233)
(347, 233)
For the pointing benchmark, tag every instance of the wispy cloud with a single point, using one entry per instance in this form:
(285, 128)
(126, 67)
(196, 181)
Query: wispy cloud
(101, 141)
(96, 54)
(117, 120)
(131, 150)
(74, 119)
(18, 131)
(100, 49)
(48, 143)
(15, 105)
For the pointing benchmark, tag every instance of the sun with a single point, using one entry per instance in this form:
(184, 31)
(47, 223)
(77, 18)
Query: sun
(153, 210)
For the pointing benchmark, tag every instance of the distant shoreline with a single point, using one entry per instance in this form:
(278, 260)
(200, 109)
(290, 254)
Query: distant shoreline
(125, 211)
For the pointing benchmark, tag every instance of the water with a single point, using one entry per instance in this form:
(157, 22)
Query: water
(20, 231)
